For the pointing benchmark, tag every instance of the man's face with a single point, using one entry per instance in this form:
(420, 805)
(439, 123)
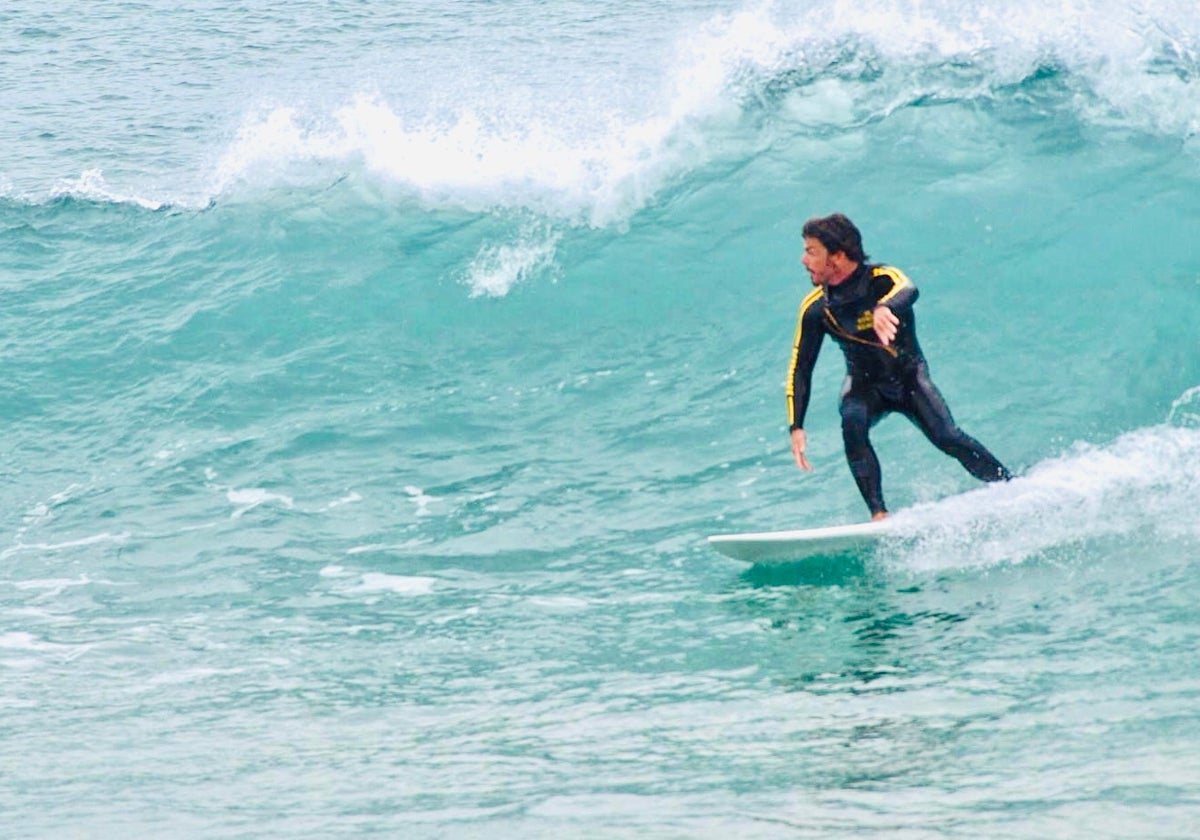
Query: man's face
(820, 263)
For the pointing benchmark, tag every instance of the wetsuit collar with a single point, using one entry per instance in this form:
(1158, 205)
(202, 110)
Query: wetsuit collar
(851, 286)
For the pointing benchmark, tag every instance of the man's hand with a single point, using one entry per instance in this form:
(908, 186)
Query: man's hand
(799, 444)
(886, 324)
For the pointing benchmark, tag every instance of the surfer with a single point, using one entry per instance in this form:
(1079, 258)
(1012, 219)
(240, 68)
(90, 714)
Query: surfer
(867, 309)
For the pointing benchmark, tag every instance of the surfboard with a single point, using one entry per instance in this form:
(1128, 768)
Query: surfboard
(789, 546)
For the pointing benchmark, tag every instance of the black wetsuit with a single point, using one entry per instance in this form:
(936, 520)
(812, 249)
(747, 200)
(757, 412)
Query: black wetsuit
(879, 379)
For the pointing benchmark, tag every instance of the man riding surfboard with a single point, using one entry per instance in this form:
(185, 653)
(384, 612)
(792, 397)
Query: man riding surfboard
(867, 309)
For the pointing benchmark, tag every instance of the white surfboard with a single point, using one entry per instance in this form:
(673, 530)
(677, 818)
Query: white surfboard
(788, 546)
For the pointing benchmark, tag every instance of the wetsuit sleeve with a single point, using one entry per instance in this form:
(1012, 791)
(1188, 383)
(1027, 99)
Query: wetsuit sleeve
(805, 348)
(892, 288)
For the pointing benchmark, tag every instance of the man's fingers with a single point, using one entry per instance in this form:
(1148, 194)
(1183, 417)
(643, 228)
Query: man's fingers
(802, 461)
(799, 444)
(886, 324)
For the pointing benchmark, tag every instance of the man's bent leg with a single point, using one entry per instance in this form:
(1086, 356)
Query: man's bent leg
(857, 417)
(928, 410)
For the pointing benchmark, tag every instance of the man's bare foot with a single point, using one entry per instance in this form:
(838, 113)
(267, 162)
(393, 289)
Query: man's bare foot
(875, 517)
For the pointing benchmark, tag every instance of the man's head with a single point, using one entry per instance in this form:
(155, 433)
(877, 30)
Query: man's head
(832, 249)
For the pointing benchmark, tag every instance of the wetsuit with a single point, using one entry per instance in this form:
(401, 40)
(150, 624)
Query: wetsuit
(879, 379)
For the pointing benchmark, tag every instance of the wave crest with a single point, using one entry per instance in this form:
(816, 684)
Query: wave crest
(836, 66)
(720, 92)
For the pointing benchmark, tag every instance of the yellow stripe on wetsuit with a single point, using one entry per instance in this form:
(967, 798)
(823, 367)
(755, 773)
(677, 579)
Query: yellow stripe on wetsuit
(813, 296)
(899, 280)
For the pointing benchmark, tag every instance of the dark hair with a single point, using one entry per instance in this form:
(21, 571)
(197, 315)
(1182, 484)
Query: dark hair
(837, 233)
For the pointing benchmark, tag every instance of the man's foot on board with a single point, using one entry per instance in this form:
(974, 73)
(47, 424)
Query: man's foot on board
(875, 517)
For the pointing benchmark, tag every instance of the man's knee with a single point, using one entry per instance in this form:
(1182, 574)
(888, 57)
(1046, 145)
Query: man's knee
(855, 414)
(854, 432)
(951, 440)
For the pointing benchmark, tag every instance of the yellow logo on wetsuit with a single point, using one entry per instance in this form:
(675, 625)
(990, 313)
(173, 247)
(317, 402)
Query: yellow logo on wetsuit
(866, 321)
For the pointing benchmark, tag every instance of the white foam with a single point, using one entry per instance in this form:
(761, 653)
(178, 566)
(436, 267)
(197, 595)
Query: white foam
(398, 584)
(497, 268)
(54, 584)
(19, 640)
(421, 499)
(1145, 482)
(64, 546)
(475, 163)
(349, 499)
(91, 186)
(253, 497)
(187, 675)
(559, 603)
(24, 642)
(1185, 410)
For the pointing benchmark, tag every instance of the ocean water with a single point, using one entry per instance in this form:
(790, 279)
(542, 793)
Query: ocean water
(375, 371)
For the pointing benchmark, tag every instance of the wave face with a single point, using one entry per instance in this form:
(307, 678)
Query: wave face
(375, 372)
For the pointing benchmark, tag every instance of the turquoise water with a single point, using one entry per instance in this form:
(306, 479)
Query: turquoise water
(375, 372)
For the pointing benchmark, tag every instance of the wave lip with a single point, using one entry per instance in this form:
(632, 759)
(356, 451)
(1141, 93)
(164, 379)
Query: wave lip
(475, 163)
